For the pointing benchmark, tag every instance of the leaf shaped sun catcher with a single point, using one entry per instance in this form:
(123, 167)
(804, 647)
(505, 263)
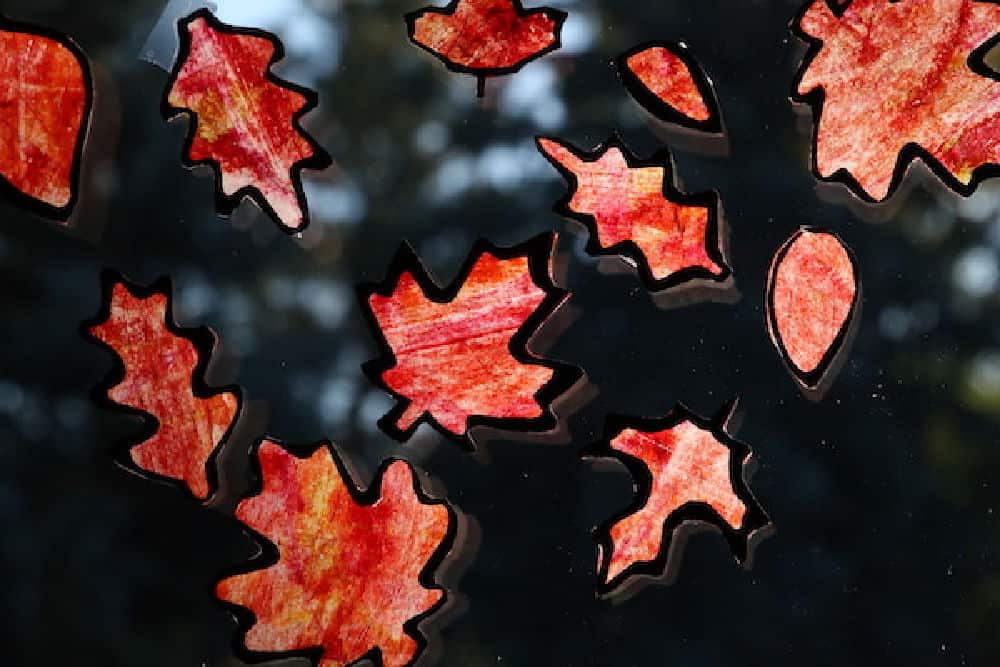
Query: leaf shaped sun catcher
(486, 38)
(813, 296)
(245, 121)
(350, 573)
(688, 471)
(667, 81)
(160, 375)
(458, 356)
(46, 98)
(891, 81)
(631, 207)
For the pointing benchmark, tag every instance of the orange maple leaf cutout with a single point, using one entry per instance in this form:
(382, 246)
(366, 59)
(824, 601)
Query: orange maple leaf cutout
(688, 471)
(159, 375)
(632, 208)
(46, 98)
(458, 356)
(245, 121)
(350, 573)
(667, 81)
(891, 81)
(813, 297)
(486, 37)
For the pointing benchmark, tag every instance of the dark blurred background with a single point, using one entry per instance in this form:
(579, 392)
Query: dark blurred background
(886, 494)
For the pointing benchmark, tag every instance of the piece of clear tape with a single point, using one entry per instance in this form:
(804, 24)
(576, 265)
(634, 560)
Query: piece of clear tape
(160, 48)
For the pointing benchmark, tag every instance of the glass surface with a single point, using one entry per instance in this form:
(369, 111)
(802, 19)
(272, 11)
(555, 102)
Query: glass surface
(885, 494)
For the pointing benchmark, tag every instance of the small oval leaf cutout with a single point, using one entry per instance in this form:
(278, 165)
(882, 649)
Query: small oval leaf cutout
(667, 81)
(813, 295)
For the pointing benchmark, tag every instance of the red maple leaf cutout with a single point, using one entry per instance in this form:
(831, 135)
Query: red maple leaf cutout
(667, 81)
(352, 571)
(689, 471)
(892, 81)
(486, 37)
(632, 208)
(458, 356)
(813, 295)
(160, 375)
(46, 97)
(245, 121)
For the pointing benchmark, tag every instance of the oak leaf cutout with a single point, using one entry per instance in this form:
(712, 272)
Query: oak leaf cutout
(458, 356)
(346, 574)
(159, 375)
(244, 120)
(632, 208)
(813, 298)
(669, 83)
(486, 38)
(689, 471)
(46, 100)
(892, 81)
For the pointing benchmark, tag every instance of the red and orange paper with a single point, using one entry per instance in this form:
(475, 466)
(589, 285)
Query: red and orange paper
(458, 356)
(813, 294)
(631, 207)
(689, 471)
(486, 37)
(353, 572)
(245, 121)
(896, 80)
(665, 79)
(161, 376)
(46, 96)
